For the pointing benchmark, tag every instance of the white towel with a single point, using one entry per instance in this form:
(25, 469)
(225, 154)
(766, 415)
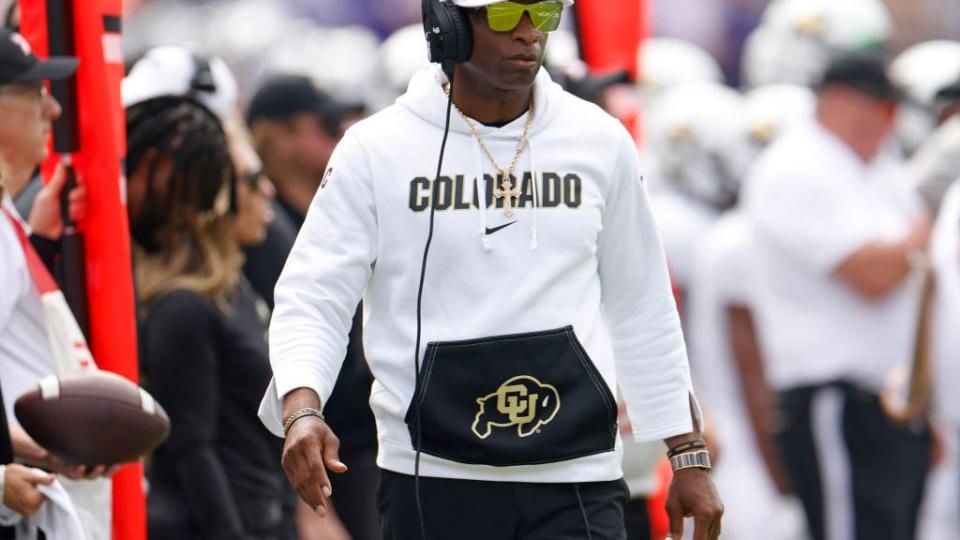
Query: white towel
(57, 517)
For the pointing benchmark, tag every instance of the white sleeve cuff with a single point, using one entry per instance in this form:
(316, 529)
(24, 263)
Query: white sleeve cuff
(271, 406)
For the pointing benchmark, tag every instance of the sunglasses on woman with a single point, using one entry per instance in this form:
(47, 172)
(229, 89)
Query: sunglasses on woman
(505, 16)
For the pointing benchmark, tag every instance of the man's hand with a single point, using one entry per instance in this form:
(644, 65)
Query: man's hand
(45, 218)
(26, 450)
(309, 450)
(20, 492)
(80, 472)
(692, 494)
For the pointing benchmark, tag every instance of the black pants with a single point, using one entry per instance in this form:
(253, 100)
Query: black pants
(876, 469)
(472, 510)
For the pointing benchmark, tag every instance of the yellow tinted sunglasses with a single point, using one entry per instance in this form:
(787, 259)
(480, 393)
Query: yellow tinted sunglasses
(505, 16)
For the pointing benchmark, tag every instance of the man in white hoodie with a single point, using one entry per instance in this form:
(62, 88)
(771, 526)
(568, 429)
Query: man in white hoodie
(544, 288)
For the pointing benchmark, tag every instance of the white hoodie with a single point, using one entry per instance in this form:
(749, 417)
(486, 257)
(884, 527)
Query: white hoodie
(589, 257)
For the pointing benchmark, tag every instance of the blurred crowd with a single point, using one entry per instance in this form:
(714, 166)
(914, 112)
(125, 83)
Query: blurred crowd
(801, 159)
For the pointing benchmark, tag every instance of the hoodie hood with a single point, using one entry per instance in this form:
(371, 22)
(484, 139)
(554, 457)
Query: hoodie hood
(425, 98)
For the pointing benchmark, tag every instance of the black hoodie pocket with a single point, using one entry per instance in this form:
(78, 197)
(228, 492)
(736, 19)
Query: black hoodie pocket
(519, 399)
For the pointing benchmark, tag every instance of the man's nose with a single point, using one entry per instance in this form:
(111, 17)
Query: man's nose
(51, 108)
(525, 31)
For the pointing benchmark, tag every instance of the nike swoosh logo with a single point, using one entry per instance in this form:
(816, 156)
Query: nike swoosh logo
(495, 229)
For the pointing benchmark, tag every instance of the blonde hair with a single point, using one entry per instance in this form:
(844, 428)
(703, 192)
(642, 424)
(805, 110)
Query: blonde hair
(184, 229)
(199, 254)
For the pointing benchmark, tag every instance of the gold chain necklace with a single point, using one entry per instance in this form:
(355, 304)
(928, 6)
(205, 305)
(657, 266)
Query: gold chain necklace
(507, 189)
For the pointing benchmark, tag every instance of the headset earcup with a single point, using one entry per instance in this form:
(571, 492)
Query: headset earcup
(432, 30)
(463, 34)
(448, 33)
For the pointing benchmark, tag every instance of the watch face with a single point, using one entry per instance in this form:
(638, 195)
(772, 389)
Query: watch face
(691, 460)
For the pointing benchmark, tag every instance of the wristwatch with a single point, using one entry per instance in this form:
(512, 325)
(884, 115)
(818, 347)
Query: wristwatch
(698, 459)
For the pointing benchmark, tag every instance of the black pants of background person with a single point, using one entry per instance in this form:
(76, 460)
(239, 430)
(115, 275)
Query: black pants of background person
(355, 497)
(169, 518)
(472, 510)
(888, 463)
(638, 519)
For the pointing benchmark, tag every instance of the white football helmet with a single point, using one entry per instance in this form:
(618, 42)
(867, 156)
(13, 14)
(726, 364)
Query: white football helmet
(399, 57)
(666, 62)
(921, 71)
(797, 38)
(773, 108)
(697, 133)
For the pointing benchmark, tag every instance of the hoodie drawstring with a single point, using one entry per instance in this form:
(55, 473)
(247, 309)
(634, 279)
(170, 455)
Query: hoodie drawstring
(536, 198)
(481, 186)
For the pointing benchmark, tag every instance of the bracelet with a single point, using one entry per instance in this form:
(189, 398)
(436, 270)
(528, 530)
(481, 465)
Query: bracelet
(692, 445)
(699, 459)
(308, 411)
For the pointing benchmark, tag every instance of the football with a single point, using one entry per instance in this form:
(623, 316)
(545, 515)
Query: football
(96, 418)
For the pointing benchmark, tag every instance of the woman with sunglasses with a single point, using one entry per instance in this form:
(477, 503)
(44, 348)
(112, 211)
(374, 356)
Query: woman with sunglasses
(203, 352)
(497, 348)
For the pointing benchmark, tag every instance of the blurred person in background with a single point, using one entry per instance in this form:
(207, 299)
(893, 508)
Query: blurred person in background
(929, 126)
(725, 351)
(797, 39)
(695, 134)
(943, 523)
(663, 64)
(924, 71)
(295, 127)
(203, 352)
(836, 235)
(26, 355)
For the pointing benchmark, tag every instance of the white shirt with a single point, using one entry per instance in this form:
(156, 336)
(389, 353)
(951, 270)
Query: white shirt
(812, 204)
(682, 222)
(721, 277)
(945, 327)
(588, 255)
(25, 355)
(25, 358)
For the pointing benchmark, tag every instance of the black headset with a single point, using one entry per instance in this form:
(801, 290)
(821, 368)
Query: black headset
(448, 34)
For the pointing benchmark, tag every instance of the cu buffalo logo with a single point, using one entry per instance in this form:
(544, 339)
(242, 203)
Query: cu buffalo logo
(522, 401)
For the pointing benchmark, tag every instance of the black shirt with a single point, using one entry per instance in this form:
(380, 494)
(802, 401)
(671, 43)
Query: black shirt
(209, 368)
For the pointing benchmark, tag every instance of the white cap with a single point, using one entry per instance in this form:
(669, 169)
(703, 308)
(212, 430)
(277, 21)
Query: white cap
(481, 3)
(170, 71)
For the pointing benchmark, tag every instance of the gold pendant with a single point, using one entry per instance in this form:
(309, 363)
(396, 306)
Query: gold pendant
(509, 192)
